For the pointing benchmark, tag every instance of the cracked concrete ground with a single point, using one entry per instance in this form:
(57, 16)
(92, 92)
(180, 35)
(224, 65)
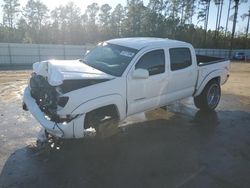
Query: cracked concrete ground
(181, 147)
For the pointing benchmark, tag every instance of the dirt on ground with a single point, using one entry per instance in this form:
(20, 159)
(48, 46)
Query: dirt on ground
(180, 147)
(239, 81)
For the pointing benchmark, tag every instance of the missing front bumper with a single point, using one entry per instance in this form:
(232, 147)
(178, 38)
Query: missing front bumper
(72, 129)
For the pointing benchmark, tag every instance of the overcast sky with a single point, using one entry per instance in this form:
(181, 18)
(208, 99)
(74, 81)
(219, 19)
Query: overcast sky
(241, 25)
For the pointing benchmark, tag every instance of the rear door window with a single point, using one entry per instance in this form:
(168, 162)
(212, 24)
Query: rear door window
(180, 58)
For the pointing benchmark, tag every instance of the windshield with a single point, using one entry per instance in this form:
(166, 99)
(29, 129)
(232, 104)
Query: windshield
(110, 58)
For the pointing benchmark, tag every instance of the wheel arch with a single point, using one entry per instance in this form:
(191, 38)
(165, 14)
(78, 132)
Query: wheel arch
(206, 103)
(116, 101)
(99, 113)
(216, 75)
(106, 110)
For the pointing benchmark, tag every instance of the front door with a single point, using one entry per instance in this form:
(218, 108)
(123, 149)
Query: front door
(144, 94)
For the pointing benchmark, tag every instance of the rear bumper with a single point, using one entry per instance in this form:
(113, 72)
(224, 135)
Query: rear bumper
(72, 129)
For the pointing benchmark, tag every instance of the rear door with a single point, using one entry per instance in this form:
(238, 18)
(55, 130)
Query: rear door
(182, 73)
(144, 94)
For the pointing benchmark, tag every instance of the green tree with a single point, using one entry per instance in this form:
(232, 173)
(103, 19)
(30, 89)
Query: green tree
(67, 24)
(92, 32)
(174, 8)
(36, 13)
(187, 11)
(156, 6)
(117, 18)
(190, 10)
(228, 14)
(236, 6)
(219, 4)
(160, 18)
(58, 16)
(203, 16)
(22, 30)
(135, 16)
(105, 21)
(154, 24)
(105, 15)
(92, 11)
(59, 25)
(72, 14)
(11, 8)
(244, 16)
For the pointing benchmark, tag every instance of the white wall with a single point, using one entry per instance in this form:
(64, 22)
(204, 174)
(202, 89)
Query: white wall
(12, 54)
(224, 53)
(27, 54)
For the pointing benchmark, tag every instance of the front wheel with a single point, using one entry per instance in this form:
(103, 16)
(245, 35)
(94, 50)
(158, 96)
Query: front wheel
(210, 96)
(104, 120)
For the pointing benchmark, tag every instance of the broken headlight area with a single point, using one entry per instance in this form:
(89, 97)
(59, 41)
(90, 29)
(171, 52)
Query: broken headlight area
(62, 101)
(60, 119)
(45, 94)
(48, 98)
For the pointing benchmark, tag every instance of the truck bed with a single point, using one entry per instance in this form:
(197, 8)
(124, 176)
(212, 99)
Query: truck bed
(211, 67)
(203, 60)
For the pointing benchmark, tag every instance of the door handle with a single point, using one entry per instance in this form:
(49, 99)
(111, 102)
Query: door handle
(140, 99)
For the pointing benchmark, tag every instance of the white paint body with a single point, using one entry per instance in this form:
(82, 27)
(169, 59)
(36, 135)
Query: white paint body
(130, 95)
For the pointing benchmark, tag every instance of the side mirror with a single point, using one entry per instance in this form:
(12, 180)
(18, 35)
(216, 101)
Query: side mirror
(140, 74)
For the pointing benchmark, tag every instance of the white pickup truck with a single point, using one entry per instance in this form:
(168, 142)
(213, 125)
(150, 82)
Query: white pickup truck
(119, 78)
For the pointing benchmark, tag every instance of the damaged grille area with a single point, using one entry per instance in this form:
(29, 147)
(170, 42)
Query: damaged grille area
(45, 95)
(48, 97)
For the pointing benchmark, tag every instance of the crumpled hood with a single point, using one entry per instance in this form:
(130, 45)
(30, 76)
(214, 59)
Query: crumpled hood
(57, 71)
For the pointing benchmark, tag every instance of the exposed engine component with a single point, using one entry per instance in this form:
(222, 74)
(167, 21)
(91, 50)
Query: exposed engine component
(48, 97)
(44, 94)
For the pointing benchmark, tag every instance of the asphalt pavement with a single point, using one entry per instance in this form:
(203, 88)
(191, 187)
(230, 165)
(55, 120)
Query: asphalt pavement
(180, 147)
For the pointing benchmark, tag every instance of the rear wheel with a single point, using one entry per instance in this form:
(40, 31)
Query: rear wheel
(210, 96)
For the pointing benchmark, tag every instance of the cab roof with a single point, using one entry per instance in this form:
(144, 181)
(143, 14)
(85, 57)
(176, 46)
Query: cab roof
(141, 42)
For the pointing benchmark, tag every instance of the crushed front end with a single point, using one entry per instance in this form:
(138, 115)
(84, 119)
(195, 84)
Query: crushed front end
(43, 101)
(49, 95)
(48, 98)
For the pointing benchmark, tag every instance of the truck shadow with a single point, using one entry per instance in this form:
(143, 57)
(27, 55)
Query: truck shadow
(183, 149)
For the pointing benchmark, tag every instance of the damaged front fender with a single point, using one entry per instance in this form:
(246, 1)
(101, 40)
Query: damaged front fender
(72, 129)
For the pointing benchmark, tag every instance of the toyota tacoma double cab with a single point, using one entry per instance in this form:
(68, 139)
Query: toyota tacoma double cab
(119, 78)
